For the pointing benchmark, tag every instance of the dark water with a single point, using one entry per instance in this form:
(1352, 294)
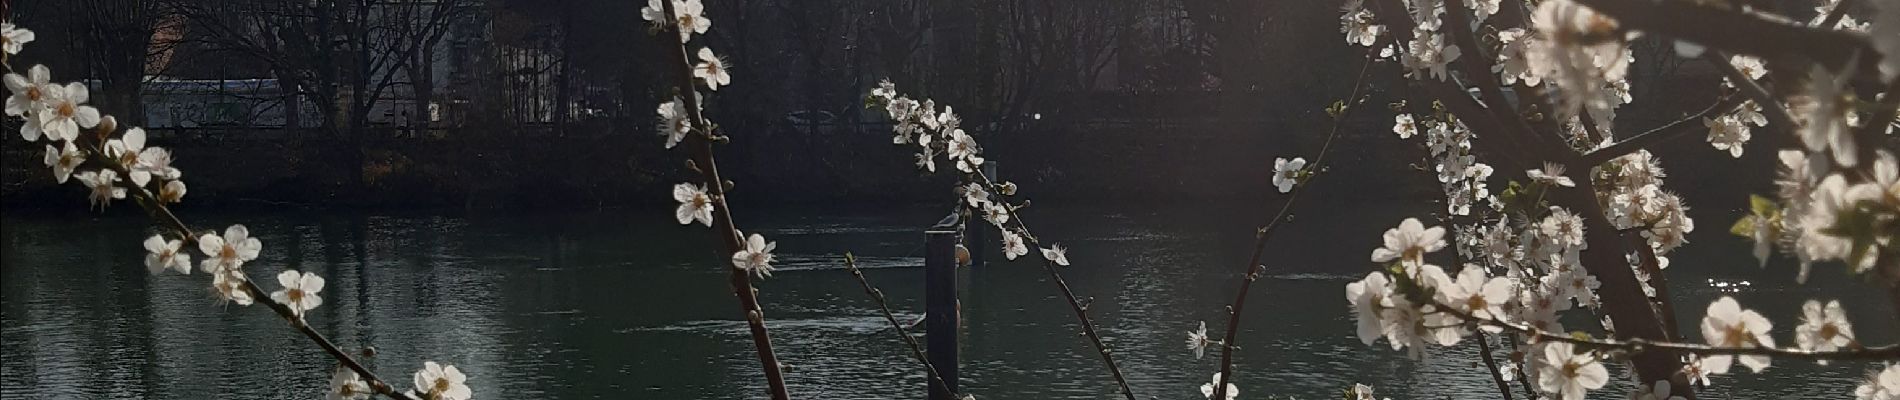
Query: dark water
(630, 305)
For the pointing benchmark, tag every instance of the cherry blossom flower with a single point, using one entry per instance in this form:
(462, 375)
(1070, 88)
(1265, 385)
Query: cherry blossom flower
(1428, 52)
(974, 194)
(756, 257)
(1404, 126)
(1692, 369)
(67, 111)
(165, 255)
(1726, 324)
(885, 89)
(1197, 340)
(962, 147)
(1361, 391)
(130, 151)
(1816, 242)
(691, 19)
(695, 204)
(1563, 372)
(228, 252)
(1513, 64)
(1476, 294)
(1658, 391)
(1207, 389)
(1562, 227)
(1749, 66)
(996, 214)
(300, 291)
(674, 123)
(711, 69)
(1882, 385)
(1286, 174)
(1552, 174)
(1727, 133)
(346, 385)
(104, 184)
(1057, 254)
(439, 382)
(1370, 297)
(1581, 51)
(230, 286)
(1409, 242)
(30, 95)
(14, 38)
(1358, 24)
(1482, 9)
(1823, 110)
(1823, 328)
(63, 160)
(173, 192)
(1013, 245)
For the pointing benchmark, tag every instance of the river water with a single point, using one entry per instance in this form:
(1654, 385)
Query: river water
(629, 305)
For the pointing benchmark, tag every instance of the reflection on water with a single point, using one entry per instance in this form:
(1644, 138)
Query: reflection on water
(630, 305)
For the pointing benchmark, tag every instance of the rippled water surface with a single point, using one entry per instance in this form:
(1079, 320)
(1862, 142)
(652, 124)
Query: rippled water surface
(628, 304)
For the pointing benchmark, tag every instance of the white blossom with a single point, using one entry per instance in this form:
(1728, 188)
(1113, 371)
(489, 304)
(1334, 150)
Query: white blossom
(163, 254)
(104, 184)
(1822, 111)
(1197, 340)
(1513, 64)
(756, 257)
(962, 148)
(30, 95)
(1404, 126)
(1562, 227)
(1207, 389)
(14, 38)
(299, 292)
(438, 382)
(1882, 385)
(1429, 53)
(127, 149)
(1409, 242)
(695, 204)
(1370, 297)
(1726, 324)
(172, 192)
(1286, 174)
(674, 122)
(66, 112)
(1581, 51)
(691, 17)
(1056, 254)
(1823, 328)
(346, 385)
(711, 69)
(974, 195)
(1693, 370)
(1727, 133)
(228, 252)
(230, 286)
(1552, 174)
(997, 214)
(1563, 372)
(1013, 245)
(1359, 25)
(63, 160)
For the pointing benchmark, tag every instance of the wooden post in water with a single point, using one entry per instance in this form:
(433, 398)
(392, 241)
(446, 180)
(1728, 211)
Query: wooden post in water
(940, 307)
(978, 229)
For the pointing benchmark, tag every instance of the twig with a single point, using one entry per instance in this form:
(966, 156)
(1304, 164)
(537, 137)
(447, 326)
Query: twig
(851, 264)
(1254, 268)
(163, 216)
(1081, 311)
(728, 232)
(1634, 346)
(1660, 134)
(1484, 348)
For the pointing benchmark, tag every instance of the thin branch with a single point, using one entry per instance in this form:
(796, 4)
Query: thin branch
(1661, 134)
(728, 232)
(1075, 305)
(1484, 349)
(1633, 346)
(917, 351)
(164, 216)
(1254, 268)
